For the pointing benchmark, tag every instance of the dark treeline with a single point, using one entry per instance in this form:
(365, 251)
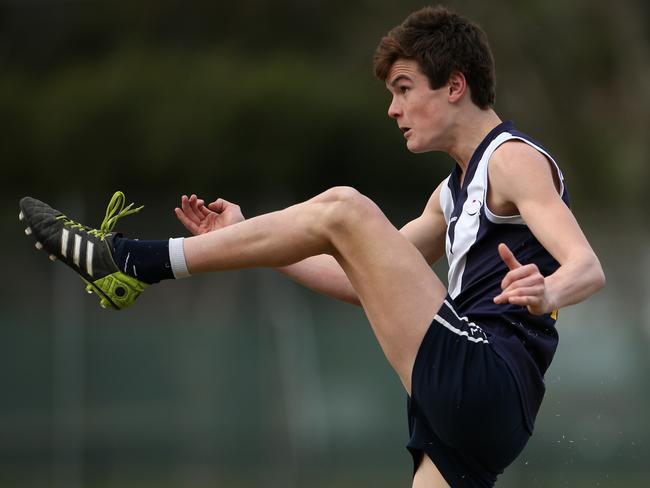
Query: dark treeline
(277, 98)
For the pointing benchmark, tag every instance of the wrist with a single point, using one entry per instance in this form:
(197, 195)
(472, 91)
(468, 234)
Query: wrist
(552, 301)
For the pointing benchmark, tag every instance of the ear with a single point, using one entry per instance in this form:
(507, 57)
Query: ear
(457, 86)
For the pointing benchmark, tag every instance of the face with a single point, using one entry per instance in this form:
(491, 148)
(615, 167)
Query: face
(422, 114)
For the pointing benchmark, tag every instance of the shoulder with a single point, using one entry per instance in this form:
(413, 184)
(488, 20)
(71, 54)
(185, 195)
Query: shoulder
(518, 170)
(516, 161)
(517, 157)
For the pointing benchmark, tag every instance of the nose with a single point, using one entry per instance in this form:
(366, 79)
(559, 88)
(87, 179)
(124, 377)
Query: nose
(394, 110)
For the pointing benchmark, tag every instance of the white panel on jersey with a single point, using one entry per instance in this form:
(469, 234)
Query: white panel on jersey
(469, 219)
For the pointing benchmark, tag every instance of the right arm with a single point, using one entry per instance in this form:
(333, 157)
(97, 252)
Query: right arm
(322, 273)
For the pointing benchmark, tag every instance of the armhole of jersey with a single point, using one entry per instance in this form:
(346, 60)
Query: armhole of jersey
(517, 219)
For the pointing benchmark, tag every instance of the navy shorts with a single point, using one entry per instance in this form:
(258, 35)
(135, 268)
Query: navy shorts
(465, 411)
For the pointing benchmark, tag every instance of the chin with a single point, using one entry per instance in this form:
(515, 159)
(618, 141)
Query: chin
(416, 148)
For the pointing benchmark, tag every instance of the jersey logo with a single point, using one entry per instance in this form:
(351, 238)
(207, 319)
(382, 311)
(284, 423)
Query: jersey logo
(473, 207)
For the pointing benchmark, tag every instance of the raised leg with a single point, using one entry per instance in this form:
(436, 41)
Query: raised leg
(397, 289)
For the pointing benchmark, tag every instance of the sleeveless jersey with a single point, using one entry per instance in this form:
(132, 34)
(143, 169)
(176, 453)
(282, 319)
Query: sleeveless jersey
(524, 341)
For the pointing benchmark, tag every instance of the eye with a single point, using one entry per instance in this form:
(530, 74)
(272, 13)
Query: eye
(403, 89)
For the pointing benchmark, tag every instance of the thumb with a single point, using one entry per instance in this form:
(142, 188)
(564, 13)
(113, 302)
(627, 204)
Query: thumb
(508, 257)
(219, 205)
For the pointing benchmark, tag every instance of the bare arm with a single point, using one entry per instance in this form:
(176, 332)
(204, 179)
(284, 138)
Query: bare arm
(324, 275)
(521, 175)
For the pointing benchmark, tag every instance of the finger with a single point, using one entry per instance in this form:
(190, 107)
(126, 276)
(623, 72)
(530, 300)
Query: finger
(204, 210)
(532, 279)
(197, 206)
(200, 206)
(523, 296)
(517, 274)
(187, 223)
(529, 291)
(508, 257)
(195, 203)
(186, 206)
(183, 200)
(534, 305)
(522, 300)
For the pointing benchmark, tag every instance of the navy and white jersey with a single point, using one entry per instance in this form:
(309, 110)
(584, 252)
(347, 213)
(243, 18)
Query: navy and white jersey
(526, 342)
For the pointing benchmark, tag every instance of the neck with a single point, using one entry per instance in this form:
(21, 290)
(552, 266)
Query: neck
(470, 128)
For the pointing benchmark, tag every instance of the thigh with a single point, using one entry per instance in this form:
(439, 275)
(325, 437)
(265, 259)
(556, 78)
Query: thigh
(428, 476)
(397, 288)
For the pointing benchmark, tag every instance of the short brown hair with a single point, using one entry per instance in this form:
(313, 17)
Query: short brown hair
(441, 42)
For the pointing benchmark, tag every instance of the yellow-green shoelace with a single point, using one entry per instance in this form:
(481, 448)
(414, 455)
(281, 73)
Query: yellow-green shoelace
(114, 212)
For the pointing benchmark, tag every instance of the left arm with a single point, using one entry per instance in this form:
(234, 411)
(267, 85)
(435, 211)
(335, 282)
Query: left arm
(523, 177)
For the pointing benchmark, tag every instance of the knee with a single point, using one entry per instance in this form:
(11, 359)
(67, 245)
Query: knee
(344, 206)
(340, 194)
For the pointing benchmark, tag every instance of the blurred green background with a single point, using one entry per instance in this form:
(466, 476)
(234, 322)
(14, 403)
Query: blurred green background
(243, 379)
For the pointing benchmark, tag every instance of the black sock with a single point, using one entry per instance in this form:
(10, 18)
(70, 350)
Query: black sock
(147, 261)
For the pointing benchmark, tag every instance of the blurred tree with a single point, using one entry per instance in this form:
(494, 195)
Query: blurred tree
(278, 97)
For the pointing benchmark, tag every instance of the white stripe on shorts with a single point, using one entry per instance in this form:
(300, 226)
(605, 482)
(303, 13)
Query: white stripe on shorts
(459, 332)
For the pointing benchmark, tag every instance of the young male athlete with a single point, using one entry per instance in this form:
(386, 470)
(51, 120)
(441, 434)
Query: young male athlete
(471, 357)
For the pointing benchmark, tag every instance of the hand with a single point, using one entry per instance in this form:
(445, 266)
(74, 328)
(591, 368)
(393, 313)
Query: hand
(199, 219)
(523, 285)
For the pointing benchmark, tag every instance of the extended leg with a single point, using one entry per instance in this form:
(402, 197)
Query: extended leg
(398, 290)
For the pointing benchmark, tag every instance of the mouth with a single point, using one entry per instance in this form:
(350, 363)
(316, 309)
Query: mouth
(407, 131)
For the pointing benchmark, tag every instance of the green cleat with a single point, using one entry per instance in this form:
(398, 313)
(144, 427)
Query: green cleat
(88, 251)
